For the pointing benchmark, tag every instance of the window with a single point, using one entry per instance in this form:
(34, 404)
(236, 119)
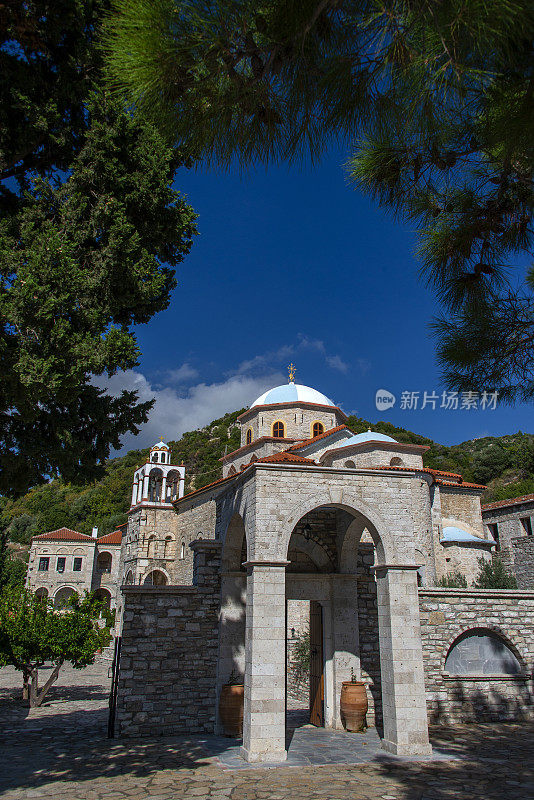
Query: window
(104, 562)
(182, 551)
(317, 428)
(526, 522)
(494, 530)
(249, 436)
(60, 565)
(154, 457)
(279, 430)
(481, 652)
(77, 566)
(44, 563)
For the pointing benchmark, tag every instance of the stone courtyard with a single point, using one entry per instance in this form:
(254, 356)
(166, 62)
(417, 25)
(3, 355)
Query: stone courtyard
(61, 751)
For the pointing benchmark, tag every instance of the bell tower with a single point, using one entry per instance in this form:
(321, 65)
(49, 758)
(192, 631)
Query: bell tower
(158, 482)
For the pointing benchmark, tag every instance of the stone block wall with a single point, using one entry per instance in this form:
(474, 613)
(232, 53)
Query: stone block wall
(523, 561)
(168, 665)
(448, 613)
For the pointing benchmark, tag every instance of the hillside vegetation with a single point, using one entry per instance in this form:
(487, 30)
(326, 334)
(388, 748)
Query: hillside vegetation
(505, 464)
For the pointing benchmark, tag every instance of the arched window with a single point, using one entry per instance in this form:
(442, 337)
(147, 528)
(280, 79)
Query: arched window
(173, 485)
(279, 430)
(317, 428)
(350, 465)
(61, 598)
(154, 485)
(167, 547)
(182, 551)
(232, 471)
(104, 562)
(129, 578)
(151, 547)
(155, 578)
(481, 652)
(154, 457)
(249, 436)
(396, 462)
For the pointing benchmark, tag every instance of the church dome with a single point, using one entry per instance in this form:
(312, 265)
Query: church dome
(292, 393)
(368, 436)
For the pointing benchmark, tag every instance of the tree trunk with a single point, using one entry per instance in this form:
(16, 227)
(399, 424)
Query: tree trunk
(25, 685)
(36, 697)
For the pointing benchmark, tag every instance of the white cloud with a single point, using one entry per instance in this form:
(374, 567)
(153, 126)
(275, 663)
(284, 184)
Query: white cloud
(183, 374)
(275, 357)
(175, 412)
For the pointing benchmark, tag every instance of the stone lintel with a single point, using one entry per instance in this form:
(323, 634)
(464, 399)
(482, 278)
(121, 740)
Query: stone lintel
(378, 567)
(248, 564)
(206, 544)
(131, 588)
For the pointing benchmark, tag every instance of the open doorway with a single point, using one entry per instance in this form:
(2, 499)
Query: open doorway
(305, 664)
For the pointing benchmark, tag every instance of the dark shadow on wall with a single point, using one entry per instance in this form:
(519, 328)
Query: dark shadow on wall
(476, 706)
(368, 632)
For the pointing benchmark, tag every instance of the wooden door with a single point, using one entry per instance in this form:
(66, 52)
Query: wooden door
(316, 665)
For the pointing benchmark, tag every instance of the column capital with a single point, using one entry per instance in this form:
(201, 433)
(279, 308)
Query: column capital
(266, 563)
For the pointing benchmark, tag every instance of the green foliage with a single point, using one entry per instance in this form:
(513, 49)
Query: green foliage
(438, 98)
(300, 652)
(90, 233)
(32, 634)
(493, 575)
(13, 574)
(453, 580)
(104, 503)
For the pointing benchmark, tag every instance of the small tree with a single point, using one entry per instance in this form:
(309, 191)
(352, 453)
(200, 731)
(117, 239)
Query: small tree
(453, 580)
(493, 575)
(33, 634)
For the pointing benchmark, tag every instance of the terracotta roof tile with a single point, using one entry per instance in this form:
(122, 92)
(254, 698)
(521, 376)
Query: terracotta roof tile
(64, 535)
(436, 472)
(261, 440)
(324, 435)
(461, 485)
(111, 538)
(512, 501)
(286, 457)
(203, 488)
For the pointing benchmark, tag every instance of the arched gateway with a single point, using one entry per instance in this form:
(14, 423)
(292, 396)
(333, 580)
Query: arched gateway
(316, 555)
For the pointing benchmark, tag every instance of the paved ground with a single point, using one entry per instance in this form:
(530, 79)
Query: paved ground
(60, 751)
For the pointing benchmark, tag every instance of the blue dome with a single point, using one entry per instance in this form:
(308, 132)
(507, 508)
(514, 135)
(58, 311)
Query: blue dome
(453, 534)
(292, 393)
(368, 436)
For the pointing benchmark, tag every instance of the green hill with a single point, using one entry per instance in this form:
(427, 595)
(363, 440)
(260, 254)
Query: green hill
(505, 463)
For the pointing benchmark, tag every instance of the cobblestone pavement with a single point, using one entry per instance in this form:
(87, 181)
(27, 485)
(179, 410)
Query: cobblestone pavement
(60, 751)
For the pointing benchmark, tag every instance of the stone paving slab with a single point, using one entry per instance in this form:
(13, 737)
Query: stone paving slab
(311, 746)
(60, 752)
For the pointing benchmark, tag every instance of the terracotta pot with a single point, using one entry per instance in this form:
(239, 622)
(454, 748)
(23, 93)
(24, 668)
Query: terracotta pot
(231, 709)
(353, 705)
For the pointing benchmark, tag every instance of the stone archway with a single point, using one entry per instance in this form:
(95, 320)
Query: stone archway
(156, 578)
(401, 662)
(62, 596)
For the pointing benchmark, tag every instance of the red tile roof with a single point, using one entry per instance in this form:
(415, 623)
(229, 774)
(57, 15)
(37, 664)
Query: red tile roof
(460, 483)
(64, 535)
(286, 457)
(254, 443)
(111, 538)
(324, 435)
(292, 404)
(512, 501)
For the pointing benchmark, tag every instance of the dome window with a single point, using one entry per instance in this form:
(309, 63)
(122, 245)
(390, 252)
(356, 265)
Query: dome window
(317, 429)
(249, 436)
(279, 430)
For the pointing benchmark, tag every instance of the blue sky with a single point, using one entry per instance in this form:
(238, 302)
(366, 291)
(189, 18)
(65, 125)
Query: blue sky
(293, 264)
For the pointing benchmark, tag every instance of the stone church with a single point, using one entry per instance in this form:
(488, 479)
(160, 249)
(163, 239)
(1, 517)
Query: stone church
(355, 524)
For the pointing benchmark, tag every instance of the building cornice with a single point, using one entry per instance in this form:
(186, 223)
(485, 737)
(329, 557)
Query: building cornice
(292, 404)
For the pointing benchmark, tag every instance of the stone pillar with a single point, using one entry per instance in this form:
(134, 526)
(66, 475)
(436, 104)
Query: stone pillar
(264, 722)
(135, 489)
(144, 496)
(163, 489)
(401, 661)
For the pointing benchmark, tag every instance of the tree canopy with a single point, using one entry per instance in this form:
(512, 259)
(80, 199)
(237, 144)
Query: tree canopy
(32, 634)
(91, 230)
(435, 100)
